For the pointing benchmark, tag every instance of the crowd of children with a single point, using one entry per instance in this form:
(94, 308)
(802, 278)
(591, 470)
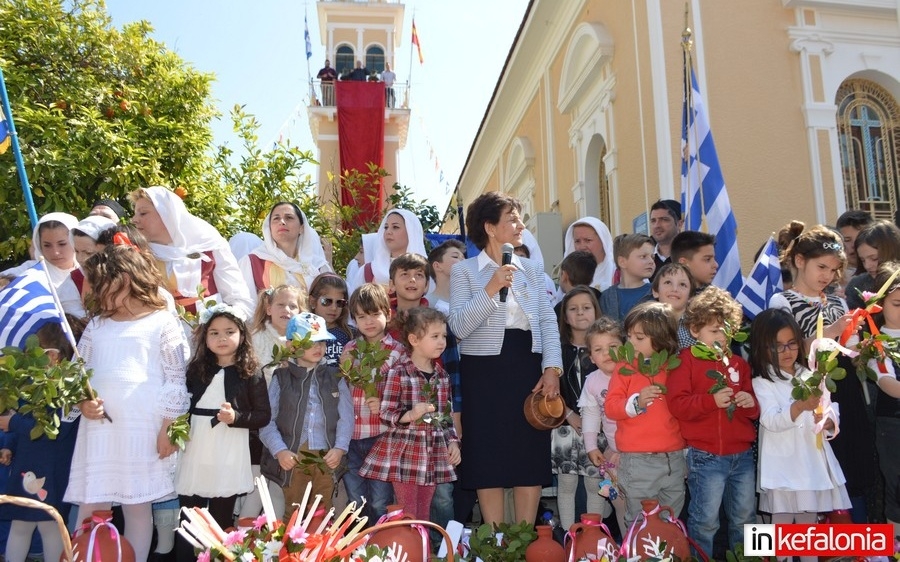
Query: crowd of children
(708, 430)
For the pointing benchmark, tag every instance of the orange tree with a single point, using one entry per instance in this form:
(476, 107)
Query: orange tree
(99, 111)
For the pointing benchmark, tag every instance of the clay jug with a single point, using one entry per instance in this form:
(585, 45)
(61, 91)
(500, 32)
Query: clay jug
(545, 549)
(651, 529)
(413, 538)
(590, 536)
(98, 539)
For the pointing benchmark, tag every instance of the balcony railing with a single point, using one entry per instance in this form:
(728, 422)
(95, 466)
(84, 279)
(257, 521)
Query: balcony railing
(321, 94)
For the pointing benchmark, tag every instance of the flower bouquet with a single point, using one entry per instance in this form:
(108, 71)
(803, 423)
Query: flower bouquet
(304, 538)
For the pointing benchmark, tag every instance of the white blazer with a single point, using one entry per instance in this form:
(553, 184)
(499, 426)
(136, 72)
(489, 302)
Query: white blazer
(479, 321)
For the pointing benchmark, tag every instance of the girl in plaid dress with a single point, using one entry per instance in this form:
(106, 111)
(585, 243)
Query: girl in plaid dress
(421, 448)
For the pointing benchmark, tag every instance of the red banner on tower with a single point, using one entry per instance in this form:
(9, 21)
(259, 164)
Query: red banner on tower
(360, 114)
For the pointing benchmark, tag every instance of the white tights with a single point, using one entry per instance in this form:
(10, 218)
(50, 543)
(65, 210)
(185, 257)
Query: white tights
(19, 541)
(138, 524)
(801, 518)
(565, 498)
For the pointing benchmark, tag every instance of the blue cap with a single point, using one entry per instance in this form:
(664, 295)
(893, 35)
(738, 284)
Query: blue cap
(308, 323)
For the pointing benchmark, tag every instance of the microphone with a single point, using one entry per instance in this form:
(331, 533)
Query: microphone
(507, 258)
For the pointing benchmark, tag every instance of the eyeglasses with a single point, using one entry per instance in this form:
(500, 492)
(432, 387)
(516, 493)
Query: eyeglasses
(792, 345)
(341, 303)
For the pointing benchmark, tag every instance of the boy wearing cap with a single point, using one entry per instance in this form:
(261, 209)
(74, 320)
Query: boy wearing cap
(311, 411)
(665, 224)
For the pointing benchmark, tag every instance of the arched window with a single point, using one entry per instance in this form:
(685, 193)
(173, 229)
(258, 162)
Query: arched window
(869, 136)
(344, 61)
(375, 59)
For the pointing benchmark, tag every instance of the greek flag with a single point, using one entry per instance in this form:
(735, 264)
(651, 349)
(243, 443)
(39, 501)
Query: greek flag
(5, 137)
(763, 282)
(26, 304)
(703, 189)
(306, 37)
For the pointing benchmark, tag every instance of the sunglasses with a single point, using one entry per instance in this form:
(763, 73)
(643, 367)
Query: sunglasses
(341, 303)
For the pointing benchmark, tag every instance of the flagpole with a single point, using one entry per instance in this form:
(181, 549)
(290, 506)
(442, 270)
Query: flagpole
(67, 330)
(17, 152)
(409, 78)
(691, 138)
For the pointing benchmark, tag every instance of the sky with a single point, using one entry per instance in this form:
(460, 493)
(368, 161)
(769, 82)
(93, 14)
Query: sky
(256, 51)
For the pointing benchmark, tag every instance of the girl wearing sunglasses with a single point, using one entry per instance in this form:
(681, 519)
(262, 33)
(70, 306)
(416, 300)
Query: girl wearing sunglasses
(328, 299)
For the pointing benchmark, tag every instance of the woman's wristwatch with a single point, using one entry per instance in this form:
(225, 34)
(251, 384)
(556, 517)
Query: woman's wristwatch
(559, 371)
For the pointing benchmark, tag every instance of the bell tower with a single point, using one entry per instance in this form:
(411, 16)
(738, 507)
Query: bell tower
(365, 34)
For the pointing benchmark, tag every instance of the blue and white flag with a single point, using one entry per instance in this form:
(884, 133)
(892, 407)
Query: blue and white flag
(703, 191)
(26, 304)
(763, 282)
(306, 36)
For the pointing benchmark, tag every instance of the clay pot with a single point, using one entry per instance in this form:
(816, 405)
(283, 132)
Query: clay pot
(98, 539)
(590, 536)
(651, 528)
(543, 412)
(545, 549)
(415, 541)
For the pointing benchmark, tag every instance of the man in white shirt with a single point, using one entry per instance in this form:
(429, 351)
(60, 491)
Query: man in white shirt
(388, 77)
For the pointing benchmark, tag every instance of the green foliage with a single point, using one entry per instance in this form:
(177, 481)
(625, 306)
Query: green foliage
(649, 367)
(441, 416)
(516, 538)
(720, 354)
(45, 389)
(237, 196)
(363, 368)
(99, 111)
(826, 370)
(293, 349)
(881, 348)
(310, 461)
(179, 431)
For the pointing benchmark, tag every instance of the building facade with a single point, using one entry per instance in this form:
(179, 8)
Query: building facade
(586, 116)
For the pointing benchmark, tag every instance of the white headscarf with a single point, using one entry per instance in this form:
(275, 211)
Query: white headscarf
(310, 256)
(381, 255)
(92, 226)
(191, 236)
(243, 243)
(57, 275)
(603, 275)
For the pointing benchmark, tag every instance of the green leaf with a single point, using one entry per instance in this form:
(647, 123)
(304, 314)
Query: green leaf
(838, 374)
(830, 385)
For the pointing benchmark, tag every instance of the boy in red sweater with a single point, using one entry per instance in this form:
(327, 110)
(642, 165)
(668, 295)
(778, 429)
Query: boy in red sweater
(718, 427)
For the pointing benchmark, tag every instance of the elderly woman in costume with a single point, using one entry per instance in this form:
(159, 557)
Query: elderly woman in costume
(591, 234)
(190, 252)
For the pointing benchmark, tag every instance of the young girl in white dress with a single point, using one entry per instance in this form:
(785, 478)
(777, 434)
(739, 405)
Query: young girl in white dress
(797, 478)
(228, 399)
(137, 352)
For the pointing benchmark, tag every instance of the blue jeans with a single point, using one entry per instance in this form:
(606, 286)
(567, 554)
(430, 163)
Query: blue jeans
(712, 478)
(378, 494)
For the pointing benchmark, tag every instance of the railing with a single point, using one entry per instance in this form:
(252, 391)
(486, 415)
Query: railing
(321, 94)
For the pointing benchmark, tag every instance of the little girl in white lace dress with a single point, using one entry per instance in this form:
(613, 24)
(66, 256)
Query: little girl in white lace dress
(137, 352)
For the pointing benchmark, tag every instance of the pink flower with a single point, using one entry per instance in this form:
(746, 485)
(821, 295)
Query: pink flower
(234, 538)
(867, 295)
(204, 556)
(259, 522)
(298, 535)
